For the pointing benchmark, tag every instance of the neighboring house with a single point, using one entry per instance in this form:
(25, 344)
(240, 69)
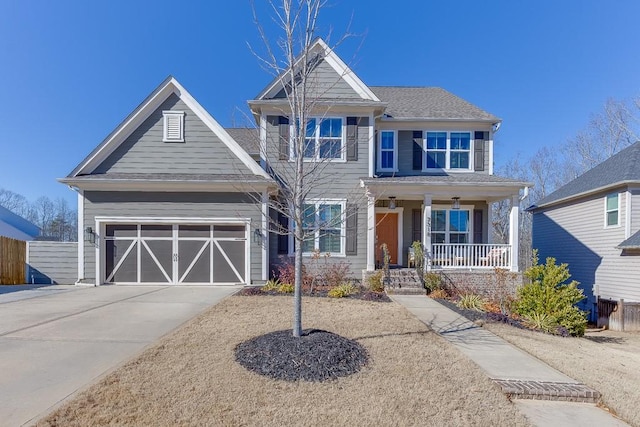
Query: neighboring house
(593, 224)
(172, 197)
(16, 227)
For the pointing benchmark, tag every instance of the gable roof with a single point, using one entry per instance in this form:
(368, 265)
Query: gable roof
(16, 227)
(418, 103)
(621, 168)
(248, 138)
(632, 242)
(329, 55)
(169, 86)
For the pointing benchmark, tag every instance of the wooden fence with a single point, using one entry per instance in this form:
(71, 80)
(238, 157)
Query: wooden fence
(13, 255)
(619, 315)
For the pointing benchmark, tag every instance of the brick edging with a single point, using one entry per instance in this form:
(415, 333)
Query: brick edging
(547, 390)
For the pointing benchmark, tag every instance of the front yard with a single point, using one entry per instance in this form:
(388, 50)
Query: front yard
(191, 378)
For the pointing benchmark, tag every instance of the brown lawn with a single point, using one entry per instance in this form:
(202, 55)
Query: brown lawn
(607, 361)
(191, 377)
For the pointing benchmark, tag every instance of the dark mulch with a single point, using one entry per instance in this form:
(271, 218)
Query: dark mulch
(322, 292)
(315, 356)
(474, 315)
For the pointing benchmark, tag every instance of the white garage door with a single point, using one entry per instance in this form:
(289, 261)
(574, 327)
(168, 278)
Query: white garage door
(175, 253)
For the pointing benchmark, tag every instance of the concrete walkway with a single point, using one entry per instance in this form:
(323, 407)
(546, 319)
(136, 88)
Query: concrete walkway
(58, 339)
(505, 363)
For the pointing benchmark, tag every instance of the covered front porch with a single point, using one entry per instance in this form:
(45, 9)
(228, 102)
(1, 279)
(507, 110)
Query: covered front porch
(449, 216)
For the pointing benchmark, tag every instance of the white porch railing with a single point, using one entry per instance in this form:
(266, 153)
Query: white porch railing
(461, 255)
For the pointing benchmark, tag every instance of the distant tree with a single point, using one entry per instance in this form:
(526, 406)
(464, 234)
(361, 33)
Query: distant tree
(16, 203)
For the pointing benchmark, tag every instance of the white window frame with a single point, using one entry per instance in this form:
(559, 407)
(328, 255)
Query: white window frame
(166, 116)
(447, 232)
(394, 167)
(448, 150)
(607, 211)
(316, 157)
(343, 226)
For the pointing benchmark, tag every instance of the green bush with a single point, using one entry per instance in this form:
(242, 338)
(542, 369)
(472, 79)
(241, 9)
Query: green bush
(342, 291)
(286, 288)
(549, 294)
(271, 285)
(432, 282)
(472, 302)
(375, 282)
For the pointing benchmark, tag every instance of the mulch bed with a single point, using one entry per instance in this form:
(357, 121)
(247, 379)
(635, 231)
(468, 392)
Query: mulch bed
(362, 294)
(480, 316)
(315, 356)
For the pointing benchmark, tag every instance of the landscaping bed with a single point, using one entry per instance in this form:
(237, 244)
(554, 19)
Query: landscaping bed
(360, 293)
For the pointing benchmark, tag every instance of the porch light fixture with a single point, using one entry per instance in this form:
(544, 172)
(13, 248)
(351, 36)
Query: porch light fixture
(257, 237)
(89, 235)
(392, 202)
(455, 203)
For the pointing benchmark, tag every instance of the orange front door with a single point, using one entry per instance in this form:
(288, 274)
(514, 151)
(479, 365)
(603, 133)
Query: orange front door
(387, 232)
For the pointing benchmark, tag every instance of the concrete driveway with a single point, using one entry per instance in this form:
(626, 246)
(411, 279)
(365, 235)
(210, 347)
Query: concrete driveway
(58, 339)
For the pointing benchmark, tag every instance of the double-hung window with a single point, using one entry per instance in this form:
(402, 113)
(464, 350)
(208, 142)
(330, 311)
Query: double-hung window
(324, 138)
(612, 210)
(324, 226)
(450, 226)
(387, 152)
(448, 150)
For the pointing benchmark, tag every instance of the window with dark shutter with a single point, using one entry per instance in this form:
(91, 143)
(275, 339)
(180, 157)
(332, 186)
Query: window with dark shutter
(283, 145)
(477, 226)
(417, 150)
(283, 238)
(479, 138)
(351, 229)
(416, 225)
(352, 138)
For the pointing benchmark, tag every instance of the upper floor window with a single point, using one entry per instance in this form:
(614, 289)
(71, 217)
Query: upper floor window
(448, 150)
(173, 124)
(450, 226)
(612, 210)
(387, 151)
(324, 138)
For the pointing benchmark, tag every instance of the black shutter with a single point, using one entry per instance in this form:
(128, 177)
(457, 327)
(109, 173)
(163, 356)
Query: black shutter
(352, 229)
(417, 150)
(283, 238)
(479, 138)
(477, 226)
(352, 138)
(416, 227)
(283, 146)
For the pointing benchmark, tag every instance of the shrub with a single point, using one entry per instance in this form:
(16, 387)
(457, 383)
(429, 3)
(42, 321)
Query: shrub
(333, 273)
(548, 294)
(540, 321)
(343, 290)
(439, 294)
(472, 302)
(375, 282)
(271, 285)
(433, 282)
(286, 288)
(285, 273)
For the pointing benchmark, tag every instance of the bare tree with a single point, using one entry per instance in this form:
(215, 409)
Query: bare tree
(16, 203)
(293, 58)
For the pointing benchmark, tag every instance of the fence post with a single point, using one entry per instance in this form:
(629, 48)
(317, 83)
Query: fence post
(621, 310)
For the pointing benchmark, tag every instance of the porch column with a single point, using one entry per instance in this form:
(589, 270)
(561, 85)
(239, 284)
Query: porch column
(514, 228)
(371, 233)
(426, 231)
(489, 223)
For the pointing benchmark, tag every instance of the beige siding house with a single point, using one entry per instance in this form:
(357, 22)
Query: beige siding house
(593, 224)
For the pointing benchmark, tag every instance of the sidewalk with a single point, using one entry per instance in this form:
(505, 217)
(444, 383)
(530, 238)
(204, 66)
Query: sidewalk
(519, 374)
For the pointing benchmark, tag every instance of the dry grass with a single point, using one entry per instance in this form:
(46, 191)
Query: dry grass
(607, 361)
(191, 377)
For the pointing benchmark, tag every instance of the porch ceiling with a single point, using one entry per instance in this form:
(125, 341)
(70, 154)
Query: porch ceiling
(466, 186)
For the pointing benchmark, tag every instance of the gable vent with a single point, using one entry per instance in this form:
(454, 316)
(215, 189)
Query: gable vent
(173, 126)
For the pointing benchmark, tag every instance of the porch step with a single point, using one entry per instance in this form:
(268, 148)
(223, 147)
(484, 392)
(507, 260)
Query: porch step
(406, 291)
(404, 281)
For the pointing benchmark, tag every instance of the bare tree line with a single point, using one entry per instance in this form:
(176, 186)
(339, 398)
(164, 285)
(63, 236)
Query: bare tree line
(56, 219)
(610, 130)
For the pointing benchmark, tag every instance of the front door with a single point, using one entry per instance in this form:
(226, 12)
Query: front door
(387, 232)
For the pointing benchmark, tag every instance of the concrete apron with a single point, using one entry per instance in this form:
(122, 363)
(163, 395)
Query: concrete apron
(503, 361)
(54, 343)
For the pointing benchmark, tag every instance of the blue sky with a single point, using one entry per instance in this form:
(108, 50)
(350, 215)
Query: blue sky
(72, 70)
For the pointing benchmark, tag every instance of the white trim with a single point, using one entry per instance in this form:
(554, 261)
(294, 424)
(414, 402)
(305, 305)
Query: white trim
(606, 210)
(448, 151)
(372, 143)
(514, 230)
(394, 168)
(400, 212)
(335, 62)
(124, 130)
(371, 233)
(316, 135)
(263, 141)
(81, 236)
(166, 118)
(490, 142)
(627, 215)
(163, 185)
(265, 236)
(343, 226)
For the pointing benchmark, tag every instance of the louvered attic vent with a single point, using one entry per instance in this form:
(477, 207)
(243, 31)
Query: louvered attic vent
(173, 126)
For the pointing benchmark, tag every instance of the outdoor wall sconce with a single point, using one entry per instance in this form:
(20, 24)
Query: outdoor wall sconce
(89, 235)
(392, 202)
(258, 237)
(455, 203)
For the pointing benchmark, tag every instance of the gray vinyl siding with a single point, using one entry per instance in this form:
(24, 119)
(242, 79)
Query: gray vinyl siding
(405, 152)
(144, 152)
(335, 180)
(325, 82)
(167, 204)
(575, 234)
(52, 262)
(635, 210)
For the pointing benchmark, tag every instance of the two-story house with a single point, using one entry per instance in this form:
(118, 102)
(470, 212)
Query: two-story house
(172, 197)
